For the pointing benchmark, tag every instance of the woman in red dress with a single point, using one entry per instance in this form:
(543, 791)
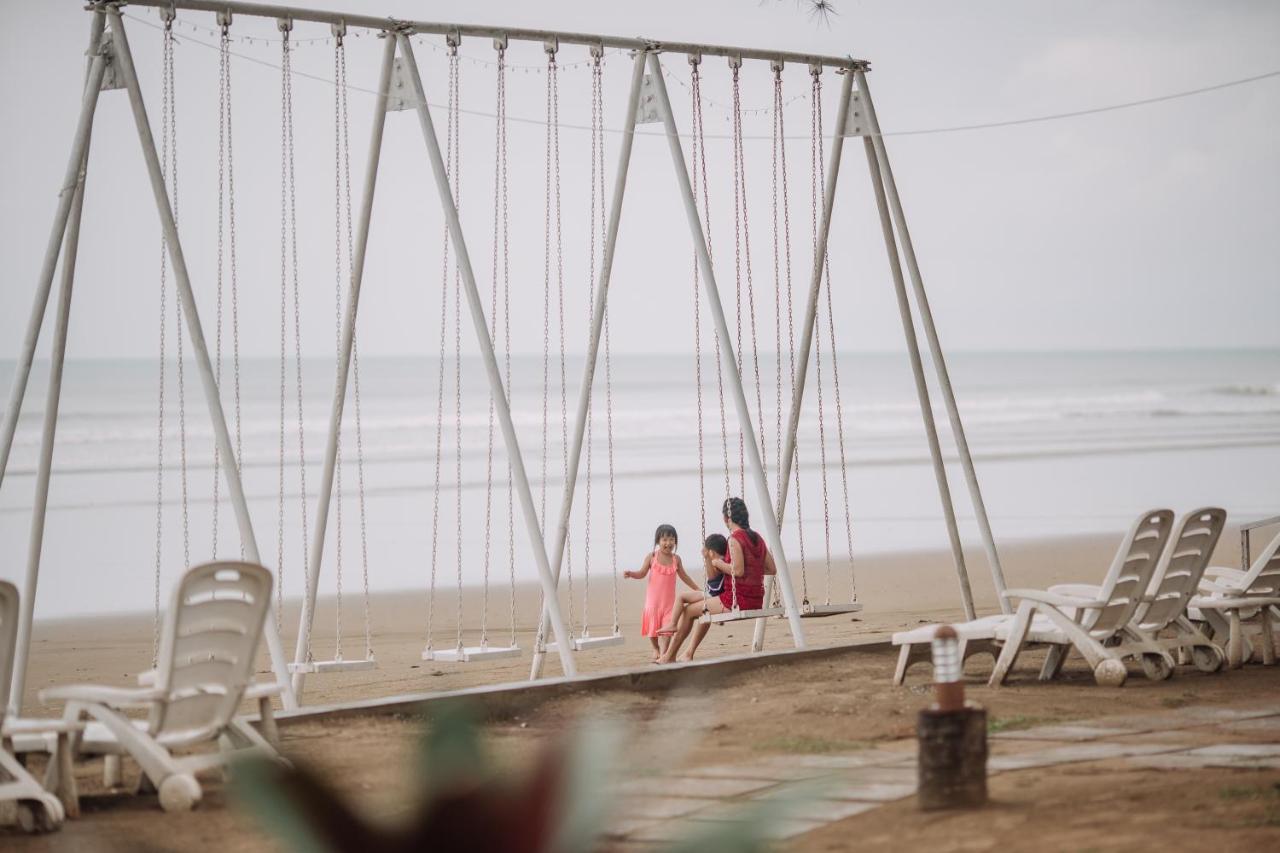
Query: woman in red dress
(749, 561)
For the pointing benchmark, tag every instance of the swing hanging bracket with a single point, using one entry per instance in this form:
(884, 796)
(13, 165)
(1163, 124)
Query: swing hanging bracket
(400, 95)
(647, 106)
(855, 123)
(111, 77)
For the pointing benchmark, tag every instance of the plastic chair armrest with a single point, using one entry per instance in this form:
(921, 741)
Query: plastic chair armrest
(116, 696)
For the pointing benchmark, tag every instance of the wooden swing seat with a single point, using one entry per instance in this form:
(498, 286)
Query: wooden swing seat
(586, 644)
(468, 654)
(817, 611)
(740, 615)
(321, 666)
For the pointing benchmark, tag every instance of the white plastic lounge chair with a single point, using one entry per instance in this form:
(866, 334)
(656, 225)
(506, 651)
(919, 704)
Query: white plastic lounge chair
(205, 669)
(1229, 598)
(1163, 608)
(1084, 622)
(37, 808)
(977, 636)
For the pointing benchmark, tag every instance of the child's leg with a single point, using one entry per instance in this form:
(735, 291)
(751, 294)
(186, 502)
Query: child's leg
(685, 597)
(699, 634)
(688, 615)
(663, 642)
(657, 649)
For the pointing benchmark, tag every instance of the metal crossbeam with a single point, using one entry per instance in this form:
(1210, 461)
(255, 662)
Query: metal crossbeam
(296, 13)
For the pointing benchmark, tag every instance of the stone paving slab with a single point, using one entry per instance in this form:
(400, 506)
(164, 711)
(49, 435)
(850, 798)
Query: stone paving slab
(1239, 750)
(854, 759)
(1076, 752)
(1257, 724)
(1067, 732)
(773, 772)
(1184, 761)
(626, 826)
(826, 811)
(658, 807)
(689, 786)
(876, 792)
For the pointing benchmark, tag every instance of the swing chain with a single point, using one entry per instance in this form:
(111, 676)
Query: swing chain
(700, 168)
(455, 134)
(444, 313)
(835, 369)
(165, 133)
(506, 314)
(339, 31)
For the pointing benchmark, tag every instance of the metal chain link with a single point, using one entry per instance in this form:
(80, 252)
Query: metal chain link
(235, 278)
(166, 97)
(591, 310)
(736, 116)
(554, 78)
(835, 361)
(695, 143)
(506, 321)
(355, 359)
(287, 67)
(337, 336)
(493, 335)
(777, 291)
(701, 168)
(284, 359)
(598, 88)
(456, 175)
(444, 313)
(791, 363)
(171, 159)
(815, 161)
(223, 56)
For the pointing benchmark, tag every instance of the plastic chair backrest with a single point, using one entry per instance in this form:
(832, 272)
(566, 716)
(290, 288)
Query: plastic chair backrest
(1131, 571)
(8, 641)
(208, 649)
(1177, 578)
(1264, 575)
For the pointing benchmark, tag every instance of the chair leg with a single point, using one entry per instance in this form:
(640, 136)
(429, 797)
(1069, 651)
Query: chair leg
(1053, 662)
(1013, 645)
(112, 771)
(1268, 638)
(899, 673)
(60, 777)
(1235, 641)
(271, 732)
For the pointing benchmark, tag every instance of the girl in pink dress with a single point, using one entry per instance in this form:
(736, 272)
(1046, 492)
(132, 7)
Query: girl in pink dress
(662, 566)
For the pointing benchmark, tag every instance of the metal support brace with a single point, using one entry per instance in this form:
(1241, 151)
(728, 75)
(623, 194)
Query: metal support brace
(765, 506)
(935, 347)
(502, 407)
(344, 367)
(810, 318)
(593, 346)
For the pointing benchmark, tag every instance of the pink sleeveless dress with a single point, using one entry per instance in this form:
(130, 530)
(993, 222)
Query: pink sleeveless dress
(660, 597)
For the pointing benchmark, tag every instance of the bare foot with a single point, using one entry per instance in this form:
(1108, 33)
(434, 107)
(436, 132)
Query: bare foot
(686, 657)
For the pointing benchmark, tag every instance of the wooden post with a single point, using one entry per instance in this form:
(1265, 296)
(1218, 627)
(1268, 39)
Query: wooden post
(953, 758)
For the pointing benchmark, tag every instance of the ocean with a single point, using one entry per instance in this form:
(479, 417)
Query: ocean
(1064, 443)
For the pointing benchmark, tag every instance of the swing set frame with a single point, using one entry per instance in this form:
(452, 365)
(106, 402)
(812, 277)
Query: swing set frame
(111, 66)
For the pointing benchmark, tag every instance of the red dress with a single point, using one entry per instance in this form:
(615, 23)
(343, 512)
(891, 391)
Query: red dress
(749, 587)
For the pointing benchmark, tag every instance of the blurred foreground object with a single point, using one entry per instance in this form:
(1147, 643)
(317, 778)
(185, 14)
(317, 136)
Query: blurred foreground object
(952, 736)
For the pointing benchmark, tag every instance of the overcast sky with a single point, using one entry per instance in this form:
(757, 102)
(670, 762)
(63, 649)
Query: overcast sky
(1142, 228)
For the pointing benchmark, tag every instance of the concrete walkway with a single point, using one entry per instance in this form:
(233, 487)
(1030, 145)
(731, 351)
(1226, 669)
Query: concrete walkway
(814, 790)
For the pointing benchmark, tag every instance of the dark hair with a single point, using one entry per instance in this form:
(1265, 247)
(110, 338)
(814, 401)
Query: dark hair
(735, 510)
(665, 530)
(717, 544)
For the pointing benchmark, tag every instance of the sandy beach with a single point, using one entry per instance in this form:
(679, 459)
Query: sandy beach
(897, 591)
(835, 712)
